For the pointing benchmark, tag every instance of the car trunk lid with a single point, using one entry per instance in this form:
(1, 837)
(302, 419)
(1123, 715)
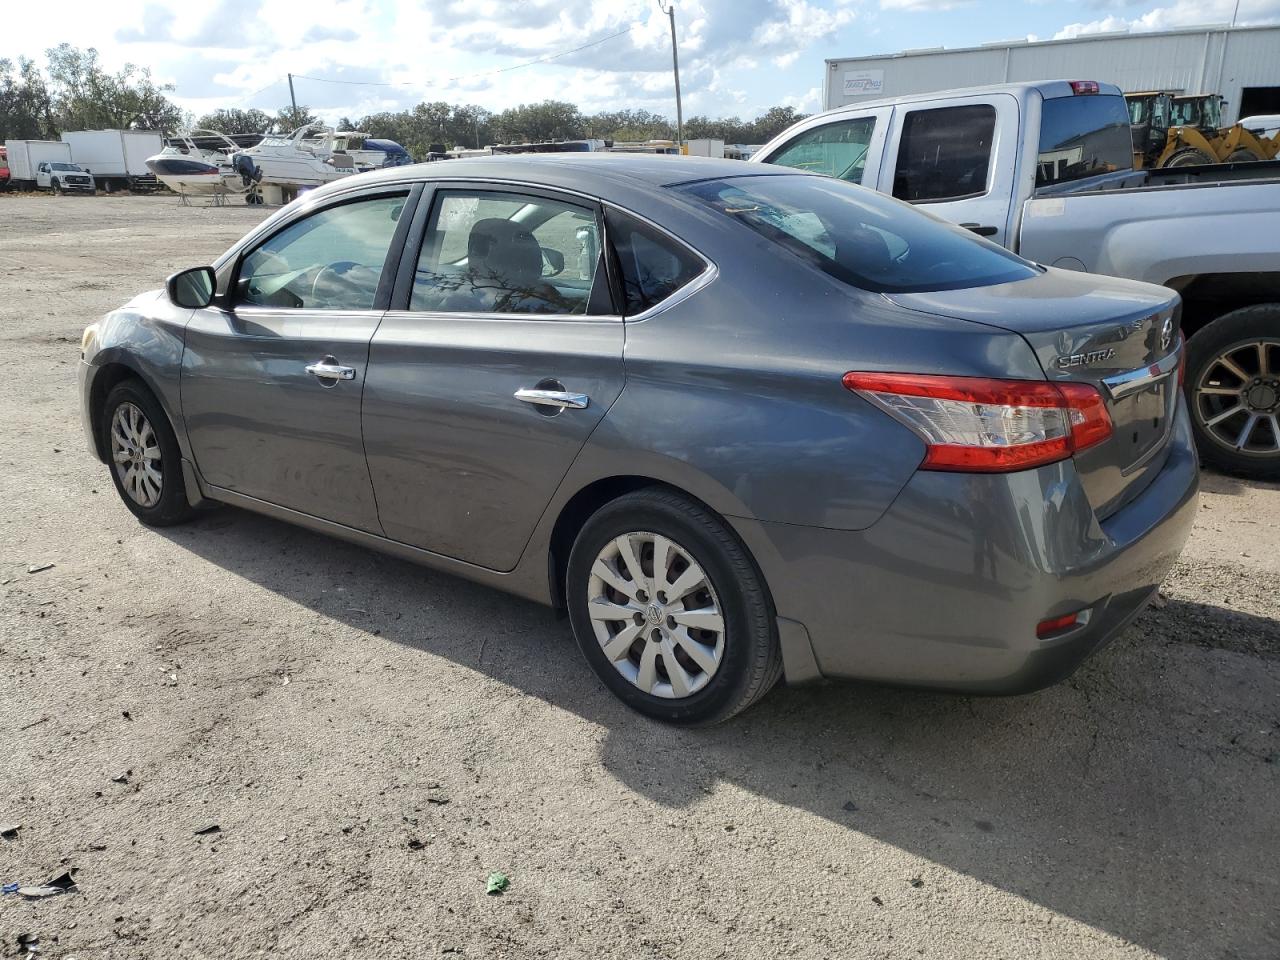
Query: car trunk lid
(1122, 337)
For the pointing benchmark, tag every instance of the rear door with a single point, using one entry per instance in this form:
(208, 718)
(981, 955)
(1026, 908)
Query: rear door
(848, 147)
(957, 161)
(272, 381)
(502, 353)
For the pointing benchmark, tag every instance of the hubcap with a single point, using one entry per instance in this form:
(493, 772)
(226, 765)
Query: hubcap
(1238, 398)
(655, 615)
(135, 454)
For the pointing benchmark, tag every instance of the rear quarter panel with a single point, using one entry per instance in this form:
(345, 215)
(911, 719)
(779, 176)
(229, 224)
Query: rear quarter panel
(735, 395)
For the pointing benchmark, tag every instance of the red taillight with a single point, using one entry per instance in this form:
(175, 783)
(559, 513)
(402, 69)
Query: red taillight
(990, 426)
(1047, 628)
(1079, 87)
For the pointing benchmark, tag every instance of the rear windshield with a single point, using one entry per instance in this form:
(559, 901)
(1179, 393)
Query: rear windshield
(1083, 136)
(859, 236)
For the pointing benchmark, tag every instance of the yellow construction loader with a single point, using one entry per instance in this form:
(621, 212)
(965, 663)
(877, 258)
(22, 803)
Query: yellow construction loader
(1184, 131)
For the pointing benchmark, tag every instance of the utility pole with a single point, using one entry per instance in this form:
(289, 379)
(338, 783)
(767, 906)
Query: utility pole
(292, 100)
(670, 11)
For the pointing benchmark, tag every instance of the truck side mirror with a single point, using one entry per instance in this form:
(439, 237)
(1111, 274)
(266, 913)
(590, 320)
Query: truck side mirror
(192, 289)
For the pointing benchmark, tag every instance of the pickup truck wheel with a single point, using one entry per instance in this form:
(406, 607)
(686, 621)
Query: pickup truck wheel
(1190, 157)
(55, 186)
(1233, 389)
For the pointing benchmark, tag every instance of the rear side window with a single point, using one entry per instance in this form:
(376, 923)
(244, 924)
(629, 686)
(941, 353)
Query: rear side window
(653, 265)
(1083, 136)
(944, 154)
(858, 236)
(837, 149)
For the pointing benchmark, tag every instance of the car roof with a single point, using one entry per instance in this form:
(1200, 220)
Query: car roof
(593, 173)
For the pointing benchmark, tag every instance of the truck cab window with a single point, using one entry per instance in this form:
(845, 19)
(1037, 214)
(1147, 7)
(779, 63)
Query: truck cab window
(945, 153)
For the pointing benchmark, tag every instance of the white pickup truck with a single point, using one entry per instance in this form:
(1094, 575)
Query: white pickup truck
(1046, 169)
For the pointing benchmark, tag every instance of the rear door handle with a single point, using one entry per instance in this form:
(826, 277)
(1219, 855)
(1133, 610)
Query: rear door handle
(330, 369)
(981, 230)
(554, 398)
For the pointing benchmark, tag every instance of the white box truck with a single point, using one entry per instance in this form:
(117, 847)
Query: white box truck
(116, 158)
(45, 165)
(706, 148)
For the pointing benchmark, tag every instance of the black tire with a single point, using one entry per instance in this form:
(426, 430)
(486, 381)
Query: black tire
(751, 662)
(1236, 333)
(172, 506)
(1243, 155)
(55, 187)
(1189, 157)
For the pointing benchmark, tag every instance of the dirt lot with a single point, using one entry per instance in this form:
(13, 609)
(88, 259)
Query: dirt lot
(373, 738)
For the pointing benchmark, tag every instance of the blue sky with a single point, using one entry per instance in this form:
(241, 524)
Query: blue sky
(737, 56)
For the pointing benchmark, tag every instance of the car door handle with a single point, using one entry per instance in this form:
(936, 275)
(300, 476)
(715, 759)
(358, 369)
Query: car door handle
(554, 398)
(980, 230)
(330, 369)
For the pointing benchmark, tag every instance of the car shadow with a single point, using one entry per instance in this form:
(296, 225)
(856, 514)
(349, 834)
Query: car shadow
(1140, 797)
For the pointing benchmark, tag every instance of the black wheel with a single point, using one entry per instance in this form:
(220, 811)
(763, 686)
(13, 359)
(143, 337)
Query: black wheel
(670, 611)
(1189, 157)
(145, 462)
(55, 187)
(1233, 389)
(1243, 155)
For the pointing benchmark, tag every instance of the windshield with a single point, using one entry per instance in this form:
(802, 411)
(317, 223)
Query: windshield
(858, 236)
(64, 166)
(1082, 136)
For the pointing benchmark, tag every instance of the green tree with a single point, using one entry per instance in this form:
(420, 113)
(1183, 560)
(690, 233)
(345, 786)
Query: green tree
(289, 119)
(26, 107)
(232, 121)
(86, 97)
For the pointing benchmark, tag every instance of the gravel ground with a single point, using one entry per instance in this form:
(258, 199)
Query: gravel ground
(374, 739)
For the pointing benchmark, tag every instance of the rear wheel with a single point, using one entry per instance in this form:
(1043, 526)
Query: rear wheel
(1189, 157)
(670, 610)
(1233, 387)
(146, 464)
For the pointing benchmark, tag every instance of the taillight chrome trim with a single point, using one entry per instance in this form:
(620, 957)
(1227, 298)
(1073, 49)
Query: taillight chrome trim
(1131, 381)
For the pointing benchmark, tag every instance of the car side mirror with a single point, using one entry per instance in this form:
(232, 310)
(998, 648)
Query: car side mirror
(192, 289)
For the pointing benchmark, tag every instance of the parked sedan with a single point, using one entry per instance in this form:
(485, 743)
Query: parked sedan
(740, 422)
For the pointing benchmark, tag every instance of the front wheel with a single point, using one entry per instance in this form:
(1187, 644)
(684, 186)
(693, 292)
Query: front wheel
(670, 610)
(55, 187)
(146, 464)
(1189, 157)
(1233, 389)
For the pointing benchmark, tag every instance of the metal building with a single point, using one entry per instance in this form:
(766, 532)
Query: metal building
(1241, 63)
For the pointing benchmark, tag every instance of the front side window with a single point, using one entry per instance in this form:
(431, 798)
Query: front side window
(492, 252)
(945, 153)
(858, 236)
(653, 266)
(331, 260)
(837, 149)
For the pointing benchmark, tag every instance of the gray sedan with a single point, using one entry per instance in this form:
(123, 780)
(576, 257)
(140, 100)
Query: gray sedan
(740, 422)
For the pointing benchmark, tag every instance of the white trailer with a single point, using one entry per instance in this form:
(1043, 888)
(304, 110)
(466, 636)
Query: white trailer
(26, 155)
(706, 148)
(116, 158)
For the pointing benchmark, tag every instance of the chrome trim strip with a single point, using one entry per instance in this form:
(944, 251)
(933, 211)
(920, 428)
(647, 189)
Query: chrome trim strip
(1123, 384)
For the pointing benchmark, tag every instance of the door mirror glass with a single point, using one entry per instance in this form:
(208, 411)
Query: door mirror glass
(192, 289)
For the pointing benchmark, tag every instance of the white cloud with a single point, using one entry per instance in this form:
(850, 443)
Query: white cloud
(919, 6)
(1182, 13)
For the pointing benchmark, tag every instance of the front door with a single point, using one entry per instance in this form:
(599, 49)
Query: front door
(272, 380)
(504, 355)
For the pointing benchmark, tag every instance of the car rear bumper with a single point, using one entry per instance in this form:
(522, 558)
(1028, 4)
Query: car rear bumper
(947, 588)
